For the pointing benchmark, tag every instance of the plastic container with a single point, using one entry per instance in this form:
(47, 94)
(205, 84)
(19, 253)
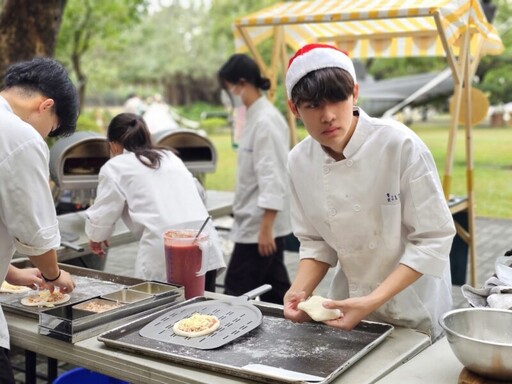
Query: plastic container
(84, 376)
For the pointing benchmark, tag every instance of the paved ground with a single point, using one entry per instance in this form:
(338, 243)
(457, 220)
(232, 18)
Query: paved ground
(493, 238)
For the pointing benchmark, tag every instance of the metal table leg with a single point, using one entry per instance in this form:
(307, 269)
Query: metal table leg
(52, 369)
(30, 367)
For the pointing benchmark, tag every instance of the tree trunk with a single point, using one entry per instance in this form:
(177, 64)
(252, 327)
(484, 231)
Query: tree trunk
(28, 28)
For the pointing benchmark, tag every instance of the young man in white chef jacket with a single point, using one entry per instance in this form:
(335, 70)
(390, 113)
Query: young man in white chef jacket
(37, 100)
(366, 199)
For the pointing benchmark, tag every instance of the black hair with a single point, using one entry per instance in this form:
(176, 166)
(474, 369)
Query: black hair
(48, 77)
(131, 132)
(326, 84)
(240, 66)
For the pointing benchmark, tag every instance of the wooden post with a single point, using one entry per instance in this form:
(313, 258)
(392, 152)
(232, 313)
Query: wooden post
(469, 159)
(462, 75)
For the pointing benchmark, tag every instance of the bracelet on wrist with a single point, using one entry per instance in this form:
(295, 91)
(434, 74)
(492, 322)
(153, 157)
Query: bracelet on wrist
(50, 280)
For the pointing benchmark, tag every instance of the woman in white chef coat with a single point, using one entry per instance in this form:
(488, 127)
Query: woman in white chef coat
(366, 198)
(152, 191)
(37, 100)
(261, 206)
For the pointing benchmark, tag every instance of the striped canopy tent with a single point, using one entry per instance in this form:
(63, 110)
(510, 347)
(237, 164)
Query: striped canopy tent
(455, 29)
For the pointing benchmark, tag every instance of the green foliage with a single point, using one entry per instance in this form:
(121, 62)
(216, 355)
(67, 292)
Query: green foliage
(122, 48)
(214, 125)
(492, 164)
(195, 111)
(87, 122)
(211, 117)
(492, 170)
(224, 177)
(494, 71)
(88, 25)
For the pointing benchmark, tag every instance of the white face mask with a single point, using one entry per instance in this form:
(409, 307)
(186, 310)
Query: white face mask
(236, 100)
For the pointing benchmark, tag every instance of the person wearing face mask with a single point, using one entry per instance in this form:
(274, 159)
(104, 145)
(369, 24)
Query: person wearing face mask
(152, 191)
(261, 205)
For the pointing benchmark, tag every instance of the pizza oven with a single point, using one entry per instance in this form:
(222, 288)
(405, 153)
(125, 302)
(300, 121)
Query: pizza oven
(75, 162)
(192, 147)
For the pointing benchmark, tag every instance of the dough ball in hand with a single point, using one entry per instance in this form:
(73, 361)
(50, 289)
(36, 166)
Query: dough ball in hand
(314, 308)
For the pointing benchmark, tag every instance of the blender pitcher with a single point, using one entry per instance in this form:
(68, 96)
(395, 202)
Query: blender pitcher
(186, 259)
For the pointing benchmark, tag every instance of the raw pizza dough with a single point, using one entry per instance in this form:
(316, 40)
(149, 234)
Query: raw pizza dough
(45, 298)
(196, 325)
(9, 288)
(314, 308)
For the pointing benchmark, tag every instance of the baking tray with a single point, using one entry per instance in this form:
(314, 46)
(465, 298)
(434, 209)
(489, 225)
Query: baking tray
(278, 351)
(90, 283)
(73, 323)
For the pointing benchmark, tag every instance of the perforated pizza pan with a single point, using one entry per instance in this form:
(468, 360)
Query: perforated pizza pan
(236, 316)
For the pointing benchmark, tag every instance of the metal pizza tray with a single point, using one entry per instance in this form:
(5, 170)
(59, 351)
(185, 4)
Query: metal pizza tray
(90, 283)
(278, 351)
(237, 317)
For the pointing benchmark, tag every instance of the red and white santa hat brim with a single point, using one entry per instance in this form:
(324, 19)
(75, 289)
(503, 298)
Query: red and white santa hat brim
(312, 57)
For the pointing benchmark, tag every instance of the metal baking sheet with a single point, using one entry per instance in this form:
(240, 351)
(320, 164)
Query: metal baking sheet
(278, 351)
(90, 283)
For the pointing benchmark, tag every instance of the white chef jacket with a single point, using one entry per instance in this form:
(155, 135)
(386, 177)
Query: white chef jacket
(262, 180)
(381, 206)
(149, 201)
(28, 221)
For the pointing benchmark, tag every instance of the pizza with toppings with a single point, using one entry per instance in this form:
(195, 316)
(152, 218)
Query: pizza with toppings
(9, 288)
(196, 325)
(45, 299)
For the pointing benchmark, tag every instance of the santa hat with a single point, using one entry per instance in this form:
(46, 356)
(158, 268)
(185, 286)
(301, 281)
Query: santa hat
(316, 56)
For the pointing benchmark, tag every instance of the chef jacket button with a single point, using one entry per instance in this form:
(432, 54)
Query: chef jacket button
(332, 212)
(371, 245)
(357, 207)
(326, 170)
(343, 251)
(349, 163)
(353, 287)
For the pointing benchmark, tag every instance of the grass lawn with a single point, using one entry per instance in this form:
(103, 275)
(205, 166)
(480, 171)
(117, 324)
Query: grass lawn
(492, 159)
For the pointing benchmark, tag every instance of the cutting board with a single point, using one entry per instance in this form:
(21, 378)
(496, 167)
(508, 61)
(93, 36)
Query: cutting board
(468, 377)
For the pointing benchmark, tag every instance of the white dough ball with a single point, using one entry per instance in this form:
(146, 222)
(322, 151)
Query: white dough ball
(314, 308)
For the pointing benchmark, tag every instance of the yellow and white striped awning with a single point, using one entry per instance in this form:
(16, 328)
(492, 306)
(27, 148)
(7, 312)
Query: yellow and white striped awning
(373, 28)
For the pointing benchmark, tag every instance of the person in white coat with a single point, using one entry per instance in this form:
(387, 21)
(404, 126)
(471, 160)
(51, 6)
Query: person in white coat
(261, 207)
(152, 191)
(37, 100)
(366, 199)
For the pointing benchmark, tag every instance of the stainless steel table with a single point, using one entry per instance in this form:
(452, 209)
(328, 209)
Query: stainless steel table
(397, 348)
(436, 364)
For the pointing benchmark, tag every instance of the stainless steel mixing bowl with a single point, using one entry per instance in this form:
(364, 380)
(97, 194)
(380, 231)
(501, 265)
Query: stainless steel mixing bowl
(481, 338)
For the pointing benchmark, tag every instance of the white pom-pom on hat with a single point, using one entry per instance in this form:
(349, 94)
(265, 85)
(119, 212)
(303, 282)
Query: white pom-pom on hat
(312, 57)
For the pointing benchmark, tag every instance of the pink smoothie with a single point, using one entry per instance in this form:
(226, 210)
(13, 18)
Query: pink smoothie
(183, 260)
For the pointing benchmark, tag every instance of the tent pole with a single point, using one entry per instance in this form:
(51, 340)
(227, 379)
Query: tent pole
(462, 79)
(450, 57)
(292, 122)
(274, 61)
(460, 67)
(469, 160)
(457, 67)
(254, 51)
